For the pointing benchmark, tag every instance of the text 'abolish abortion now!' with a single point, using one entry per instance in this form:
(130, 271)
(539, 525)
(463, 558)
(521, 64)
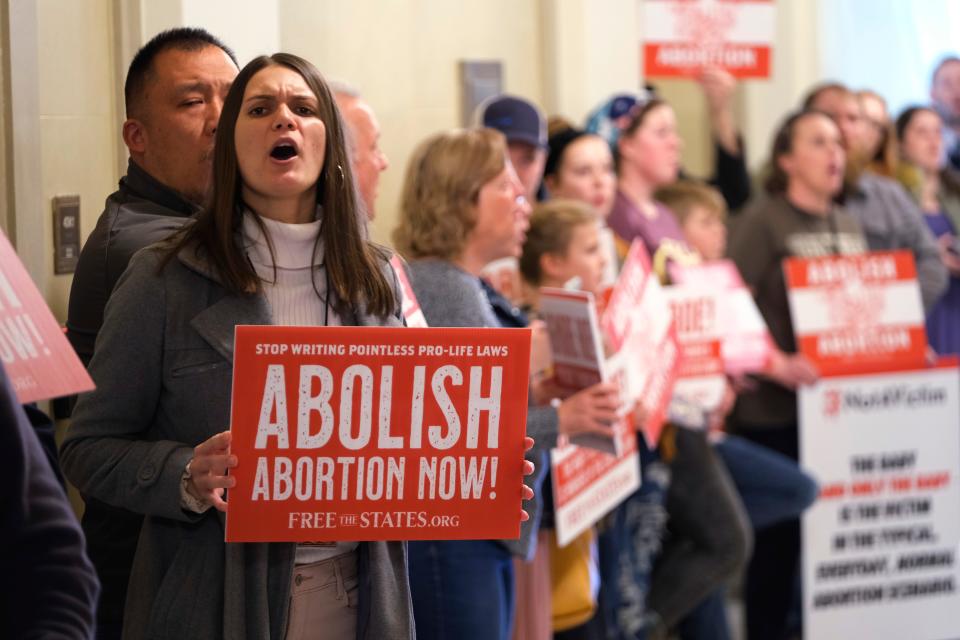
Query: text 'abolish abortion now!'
(314, 424)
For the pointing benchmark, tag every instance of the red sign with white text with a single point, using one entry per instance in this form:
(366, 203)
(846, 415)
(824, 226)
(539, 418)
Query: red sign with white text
(857, 313)
(639, 326)
(368, 433)
(683, 37)
(39, 361)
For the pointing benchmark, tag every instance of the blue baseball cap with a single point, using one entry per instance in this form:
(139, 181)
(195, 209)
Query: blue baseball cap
(518, 119)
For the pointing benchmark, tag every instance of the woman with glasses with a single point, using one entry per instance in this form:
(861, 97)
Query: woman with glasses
(463, 207)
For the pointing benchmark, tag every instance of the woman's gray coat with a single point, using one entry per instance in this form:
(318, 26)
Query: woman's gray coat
(163, 366)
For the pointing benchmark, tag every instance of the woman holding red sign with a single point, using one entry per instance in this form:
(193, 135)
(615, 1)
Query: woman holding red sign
(281, 242)
(462, 208)
(798, 217)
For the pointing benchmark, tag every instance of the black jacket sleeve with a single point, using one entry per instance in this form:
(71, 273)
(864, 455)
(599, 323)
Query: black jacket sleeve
(51, 588)
(731, 176)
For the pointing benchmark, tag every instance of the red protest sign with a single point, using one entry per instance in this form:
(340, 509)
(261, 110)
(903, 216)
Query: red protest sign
(412, 313)
(364, 433)
(857, 313)
(38, 359)
(589, 480)
(682, 37)
(618, 313)
(588, 483)
(639, 324)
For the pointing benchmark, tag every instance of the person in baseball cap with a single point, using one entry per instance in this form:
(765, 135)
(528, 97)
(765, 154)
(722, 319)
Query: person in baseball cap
(525, 128)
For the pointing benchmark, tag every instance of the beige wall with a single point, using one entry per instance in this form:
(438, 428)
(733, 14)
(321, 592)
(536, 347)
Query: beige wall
(78, 122)
(588, 54)
(403, 56)
(6, 149)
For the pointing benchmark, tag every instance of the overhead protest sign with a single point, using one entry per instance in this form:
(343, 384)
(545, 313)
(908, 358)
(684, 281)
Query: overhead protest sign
(860, 313)
(39, 361)
(365, 433)
(880, 544)
(588, 480)
(683, 37)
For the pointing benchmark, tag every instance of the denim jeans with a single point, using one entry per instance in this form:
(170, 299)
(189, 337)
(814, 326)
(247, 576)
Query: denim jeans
(708, 620)
(772, 486)
(709, 533)
(770, 588)
(629, 541)
(462, 589)
(773, 489)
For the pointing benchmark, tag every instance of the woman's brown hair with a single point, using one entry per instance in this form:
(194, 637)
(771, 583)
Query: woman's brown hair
(551, 231)
(441, 188)
(352, 262)
(777, 180)
(884, 161)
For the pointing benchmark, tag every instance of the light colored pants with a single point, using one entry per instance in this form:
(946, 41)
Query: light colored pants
(534, 615)
(323, 599)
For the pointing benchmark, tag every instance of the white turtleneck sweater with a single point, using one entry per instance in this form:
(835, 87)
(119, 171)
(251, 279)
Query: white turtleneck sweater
(293, 298)
(292, 290)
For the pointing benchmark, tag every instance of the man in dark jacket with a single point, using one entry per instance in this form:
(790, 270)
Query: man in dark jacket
(49, 587)
(174, 92)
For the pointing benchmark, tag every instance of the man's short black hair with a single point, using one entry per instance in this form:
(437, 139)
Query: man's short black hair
(182, 39)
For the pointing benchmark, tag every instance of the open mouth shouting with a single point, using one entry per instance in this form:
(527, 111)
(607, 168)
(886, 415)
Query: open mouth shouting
(284, 150)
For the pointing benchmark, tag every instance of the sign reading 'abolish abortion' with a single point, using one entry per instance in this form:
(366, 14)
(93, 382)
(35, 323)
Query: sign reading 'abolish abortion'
(363, 433)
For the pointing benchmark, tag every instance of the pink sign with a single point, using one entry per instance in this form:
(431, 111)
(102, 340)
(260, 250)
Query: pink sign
(746, 344)
(38, 359)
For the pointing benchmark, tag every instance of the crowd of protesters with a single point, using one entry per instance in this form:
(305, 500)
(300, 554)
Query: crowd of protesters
(246, 201)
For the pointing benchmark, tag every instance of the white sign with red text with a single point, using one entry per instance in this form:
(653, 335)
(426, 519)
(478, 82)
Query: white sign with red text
(746, 343)
(880, 544)
(696, 315)
(683, 37)
(857, 313)
(592, 479)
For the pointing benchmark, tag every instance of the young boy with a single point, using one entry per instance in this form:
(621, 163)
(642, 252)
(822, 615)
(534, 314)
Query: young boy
(702, 214)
